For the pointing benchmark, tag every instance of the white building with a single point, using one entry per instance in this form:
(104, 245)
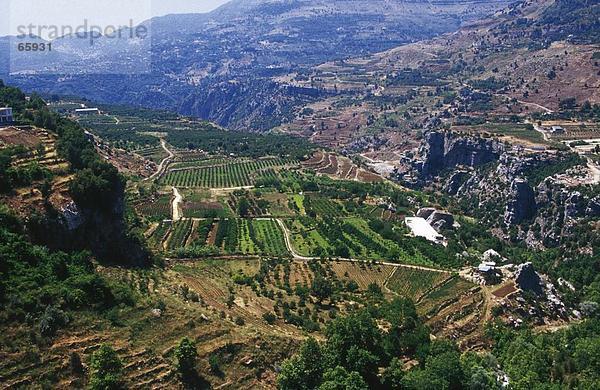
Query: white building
(487, 266)
(557, 130)
(87, 111)
(421, 228)
(6, 115)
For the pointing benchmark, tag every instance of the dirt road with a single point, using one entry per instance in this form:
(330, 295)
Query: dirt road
(175, 205)
(595, 172)
(164, 162)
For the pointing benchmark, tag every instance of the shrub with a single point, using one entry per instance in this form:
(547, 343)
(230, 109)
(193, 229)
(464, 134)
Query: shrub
(52, 319)
(269, 318)
(107, 369)
(186, 355)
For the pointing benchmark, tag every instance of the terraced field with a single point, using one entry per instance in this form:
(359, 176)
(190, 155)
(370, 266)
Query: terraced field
(159, 235)
(414, 283)
(180, 234)
(232, 236)
(268, 237)
(447, 292)
(159, 208)
(238, 173)
(362, 274)
(155, 154)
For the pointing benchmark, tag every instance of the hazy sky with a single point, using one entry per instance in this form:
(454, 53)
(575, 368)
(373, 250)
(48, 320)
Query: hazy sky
(15, 13)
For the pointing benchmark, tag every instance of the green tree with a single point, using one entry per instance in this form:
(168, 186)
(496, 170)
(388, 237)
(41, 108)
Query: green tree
(304, 370)
(347, 336)
(481, 379)
(393, 375)
(420, 379)
(362, 361)
(339, 379)
(107, 369)
(244, 207)
(186, 355)
(321, 288)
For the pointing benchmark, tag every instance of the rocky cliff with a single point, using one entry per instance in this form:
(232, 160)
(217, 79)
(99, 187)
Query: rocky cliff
(105, 233)
(443, 150)
(501, 186)
(521, 204)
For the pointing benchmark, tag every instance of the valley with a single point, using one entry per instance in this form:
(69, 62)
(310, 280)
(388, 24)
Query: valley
(311, 195)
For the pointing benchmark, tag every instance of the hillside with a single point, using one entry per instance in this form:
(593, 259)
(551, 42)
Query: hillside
(259, 241)
(520, 61)
(220, 66)
(413, 202)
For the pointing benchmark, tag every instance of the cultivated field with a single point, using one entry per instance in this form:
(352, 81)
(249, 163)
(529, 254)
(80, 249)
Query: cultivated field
(230, 174)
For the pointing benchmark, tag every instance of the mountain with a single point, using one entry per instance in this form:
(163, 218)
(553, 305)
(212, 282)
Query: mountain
(210, 65)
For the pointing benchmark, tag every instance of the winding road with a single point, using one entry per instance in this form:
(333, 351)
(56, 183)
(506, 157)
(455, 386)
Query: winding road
(175, 205)
(549, 111)
(164, 162)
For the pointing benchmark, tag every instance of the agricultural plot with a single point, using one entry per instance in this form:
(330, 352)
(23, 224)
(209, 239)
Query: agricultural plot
(159, 235)
(268, 175)
(234, 174)
(298, 203)
(179, 235)
(447, 292)
(414, 283)
(374, 245)
(323, 207)
(226, 235)
(197, 162)
(278, 204)
(245, 243)
(349, 238)
(268, 237)
(205, 209)
(237, 236)
(254, 206)
(362, 274)
(155, 154)
(306, 239)
(200, 232)
(159, 208)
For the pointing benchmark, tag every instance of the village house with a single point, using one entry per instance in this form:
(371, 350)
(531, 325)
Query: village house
(6, 116)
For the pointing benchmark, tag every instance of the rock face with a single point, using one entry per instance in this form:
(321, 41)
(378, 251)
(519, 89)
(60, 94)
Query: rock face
(443, 150)
(521, 204)
(528, 280)
(102, 232)
(425, 212)
(456, 180)
(439, 220)
(489, 179)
